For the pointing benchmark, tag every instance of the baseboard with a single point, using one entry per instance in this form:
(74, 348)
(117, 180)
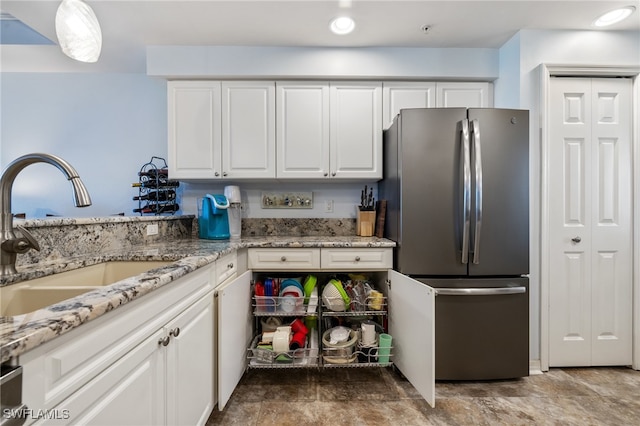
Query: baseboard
(534, 367)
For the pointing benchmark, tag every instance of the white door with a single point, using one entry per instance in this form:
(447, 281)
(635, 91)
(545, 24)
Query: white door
(190, 364)
(590, 229)
(130, 392)
(194, 129)
(399, 95)
(412, 327)
(469, 95)
(302, 129)
(235, 328)
(356, 130)
(248, 130)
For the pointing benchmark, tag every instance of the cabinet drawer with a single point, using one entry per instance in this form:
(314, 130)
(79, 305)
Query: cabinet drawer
(226, 267)
(284, 259)
(353, 259)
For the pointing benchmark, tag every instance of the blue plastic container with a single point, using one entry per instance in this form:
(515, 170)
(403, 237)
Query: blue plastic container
(213, 218)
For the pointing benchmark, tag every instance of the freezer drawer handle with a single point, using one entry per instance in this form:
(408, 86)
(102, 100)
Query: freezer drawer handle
(480, 291)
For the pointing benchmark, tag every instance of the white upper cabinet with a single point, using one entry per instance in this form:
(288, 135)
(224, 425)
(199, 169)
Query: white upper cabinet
(469, 95)
(302, 129)
(248, 130)
(329, 130)
(194, 126)
(356, 130)
(221, 130)
(295, 129)
(400, 95)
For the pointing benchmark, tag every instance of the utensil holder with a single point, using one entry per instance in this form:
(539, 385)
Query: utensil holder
(365, 223)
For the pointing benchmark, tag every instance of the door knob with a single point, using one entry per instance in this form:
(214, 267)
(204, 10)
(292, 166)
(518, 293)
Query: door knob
(576, 239)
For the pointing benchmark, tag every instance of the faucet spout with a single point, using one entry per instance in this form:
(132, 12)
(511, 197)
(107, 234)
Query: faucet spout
(8, 239)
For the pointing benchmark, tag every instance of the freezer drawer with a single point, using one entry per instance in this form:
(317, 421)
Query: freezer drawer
(482, 328)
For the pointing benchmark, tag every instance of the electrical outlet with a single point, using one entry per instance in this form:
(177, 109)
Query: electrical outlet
(287, 200)
(152, 229)
(328, 206)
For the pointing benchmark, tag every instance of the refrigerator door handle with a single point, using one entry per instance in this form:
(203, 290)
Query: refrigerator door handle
(480, 291)
(465, 159)
(477, 160)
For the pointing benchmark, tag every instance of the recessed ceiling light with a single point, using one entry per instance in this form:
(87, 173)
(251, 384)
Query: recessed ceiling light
(614, 16)
(342, 25)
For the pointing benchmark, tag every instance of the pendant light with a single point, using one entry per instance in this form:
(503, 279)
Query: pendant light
(614, 16)
(78, 31)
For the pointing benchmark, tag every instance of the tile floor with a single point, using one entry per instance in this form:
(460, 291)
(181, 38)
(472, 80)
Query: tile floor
(381, 396)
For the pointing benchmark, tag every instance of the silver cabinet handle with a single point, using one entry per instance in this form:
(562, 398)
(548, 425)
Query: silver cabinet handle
(480, 291)
(164, 341)
(576, 239)
(466, 190)
(175, 332)
(230, 266)
(357, 258)
(283, 258)
(217, 174)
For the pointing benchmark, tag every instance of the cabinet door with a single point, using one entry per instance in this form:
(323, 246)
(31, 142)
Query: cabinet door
(399, 95)
(302, 129)
(248, 130)
(412, 326)
(469, 95)
(234, 333)
(356, 130)
(190, 364)
(130, 392)
(194, 129)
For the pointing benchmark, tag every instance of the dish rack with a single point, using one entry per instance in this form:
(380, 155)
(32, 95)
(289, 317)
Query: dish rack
(358, 306)
(157, 194)
(313, 311)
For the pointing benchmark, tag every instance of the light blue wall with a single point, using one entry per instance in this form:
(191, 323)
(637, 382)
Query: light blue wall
(105, 125)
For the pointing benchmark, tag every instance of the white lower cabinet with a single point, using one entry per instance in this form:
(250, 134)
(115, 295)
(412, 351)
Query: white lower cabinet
(190, 365)
(130, 392)
(410, 313)
(150, 362)
(159, 382)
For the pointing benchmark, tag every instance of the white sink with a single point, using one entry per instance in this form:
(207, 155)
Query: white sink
(28, 296)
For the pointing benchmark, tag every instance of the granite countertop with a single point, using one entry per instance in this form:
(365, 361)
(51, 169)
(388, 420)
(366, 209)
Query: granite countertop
(21, 333)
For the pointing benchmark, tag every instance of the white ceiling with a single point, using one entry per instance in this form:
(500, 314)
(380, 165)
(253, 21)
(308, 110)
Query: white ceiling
(131, 25)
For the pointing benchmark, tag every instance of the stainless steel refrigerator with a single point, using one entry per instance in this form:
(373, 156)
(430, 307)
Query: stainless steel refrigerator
(456, 182)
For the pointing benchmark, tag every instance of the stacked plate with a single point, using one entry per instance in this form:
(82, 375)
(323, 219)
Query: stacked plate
(291, 295)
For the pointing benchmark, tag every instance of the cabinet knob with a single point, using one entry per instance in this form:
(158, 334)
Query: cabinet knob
(326, 174)
(357, 258)
(230, 266)
(217, 174)
(224, 173)
(333, 174)
(164, 341)
(283, 258)
(576, 239)
(175, 332)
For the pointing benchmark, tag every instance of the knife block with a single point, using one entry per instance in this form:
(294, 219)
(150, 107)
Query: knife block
(365, 223)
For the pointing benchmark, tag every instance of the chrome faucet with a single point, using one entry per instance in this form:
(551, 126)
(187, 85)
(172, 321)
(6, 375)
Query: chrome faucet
(10, 244)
